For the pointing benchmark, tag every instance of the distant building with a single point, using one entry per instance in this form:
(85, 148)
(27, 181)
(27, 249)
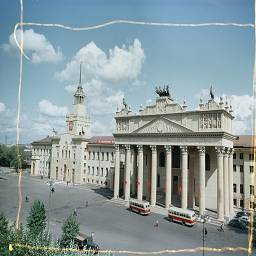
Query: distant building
(244, 172)
(74, 156)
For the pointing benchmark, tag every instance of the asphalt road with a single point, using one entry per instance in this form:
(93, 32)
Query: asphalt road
(114, 226)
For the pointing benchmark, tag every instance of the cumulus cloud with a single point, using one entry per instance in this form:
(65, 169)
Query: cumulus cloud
(119, 65)
(36, 46)
(49, 109)
(2, 107)
(71, 88)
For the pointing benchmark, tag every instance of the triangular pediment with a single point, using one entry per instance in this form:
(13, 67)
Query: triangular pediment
(162, 125)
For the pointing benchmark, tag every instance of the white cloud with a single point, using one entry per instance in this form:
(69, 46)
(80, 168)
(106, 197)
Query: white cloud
(49, 109)
(2, 107)
(71, 88)
(202, 94)
(36, 46)
(121, 64)
(101, 127)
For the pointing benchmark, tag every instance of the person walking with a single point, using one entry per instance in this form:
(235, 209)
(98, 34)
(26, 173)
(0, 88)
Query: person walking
(221, 227)
(205, 232)
(75, 212)
(156, 225)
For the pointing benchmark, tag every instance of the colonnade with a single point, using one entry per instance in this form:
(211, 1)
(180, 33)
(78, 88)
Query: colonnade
(224, 177)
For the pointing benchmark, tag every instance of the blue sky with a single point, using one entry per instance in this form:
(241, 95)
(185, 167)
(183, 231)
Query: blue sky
(122, 60)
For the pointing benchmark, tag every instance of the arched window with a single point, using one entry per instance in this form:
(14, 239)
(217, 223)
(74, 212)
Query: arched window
(162, 159)
(207, 162)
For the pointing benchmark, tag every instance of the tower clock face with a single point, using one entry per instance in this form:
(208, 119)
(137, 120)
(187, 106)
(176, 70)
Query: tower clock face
(70, 125)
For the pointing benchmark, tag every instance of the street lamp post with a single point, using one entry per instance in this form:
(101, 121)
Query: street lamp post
(49, 204)
(203, 219)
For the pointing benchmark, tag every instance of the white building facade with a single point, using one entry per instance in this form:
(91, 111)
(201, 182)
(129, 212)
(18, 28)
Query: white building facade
(175, 156)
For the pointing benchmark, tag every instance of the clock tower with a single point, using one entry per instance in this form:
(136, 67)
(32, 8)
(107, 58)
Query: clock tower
(78, 122)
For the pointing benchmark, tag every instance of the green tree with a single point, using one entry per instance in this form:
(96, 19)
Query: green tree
(36, 221)
(70, 230)
(4, 235)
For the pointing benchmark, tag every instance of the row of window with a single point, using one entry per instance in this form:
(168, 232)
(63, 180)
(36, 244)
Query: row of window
(242, 168)
(99, 172)
(241, 203)
(41, 151)
(103, 156)
(241, 156)
(242, 189)
(96, 182)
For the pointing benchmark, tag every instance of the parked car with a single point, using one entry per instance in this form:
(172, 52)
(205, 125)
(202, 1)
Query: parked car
(241, 213)
(244, 218)
(85, 242)
(236, 223)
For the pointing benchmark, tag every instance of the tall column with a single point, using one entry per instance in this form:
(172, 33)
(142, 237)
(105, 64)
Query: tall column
(127, 173)
(153, 175)
(184, 166)
(168, 180)
(140, 172)
(201, 151)
(220, 196)
(117, 171)
(226, 184)
(231, 195)
(133, 170)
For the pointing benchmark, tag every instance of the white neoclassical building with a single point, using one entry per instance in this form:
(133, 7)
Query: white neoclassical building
(175, 156)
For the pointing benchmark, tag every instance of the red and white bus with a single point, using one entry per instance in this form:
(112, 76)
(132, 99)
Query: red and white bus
(142, 207)
(186, 217)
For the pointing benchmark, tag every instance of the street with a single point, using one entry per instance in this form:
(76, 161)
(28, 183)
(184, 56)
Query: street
(114, 227)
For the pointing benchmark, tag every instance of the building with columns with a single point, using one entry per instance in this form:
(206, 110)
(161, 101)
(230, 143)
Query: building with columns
(176, 157)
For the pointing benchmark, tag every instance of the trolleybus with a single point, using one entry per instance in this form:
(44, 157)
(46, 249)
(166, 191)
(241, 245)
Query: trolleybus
(186, 217)
(142, 207)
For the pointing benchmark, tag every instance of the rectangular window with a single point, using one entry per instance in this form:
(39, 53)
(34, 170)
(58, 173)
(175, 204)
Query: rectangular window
(234, 188)
(241, 188)
(242, 203)
(93, 156)
(107, 156)
(102, 156)
(251, 169)
(89, 155)
(241, 168)
(84, 164)
(106, 172)
(234, 168)
(241, 156)
(102, 171)
(251, 157)
(84, 157)
(97, 171)
(98, 155)
(93, 170)
(251, 190)
(88, 169)
(74, 155)
(112, 156)
(235, 202)
(234, 156)
(158, 180)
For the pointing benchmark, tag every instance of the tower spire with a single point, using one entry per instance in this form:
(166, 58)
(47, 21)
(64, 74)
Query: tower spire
(80, 77)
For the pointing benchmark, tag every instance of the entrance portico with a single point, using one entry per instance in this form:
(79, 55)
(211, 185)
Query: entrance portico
(182, 154)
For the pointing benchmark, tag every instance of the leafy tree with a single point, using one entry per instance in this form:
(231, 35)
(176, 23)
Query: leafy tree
(70, 230)
(4, 235)
(36, 221)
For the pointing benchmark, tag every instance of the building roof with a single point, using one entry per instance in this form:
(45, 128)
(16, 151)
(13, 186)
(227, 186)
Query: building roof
(102, 140)
(244, 141)
(45, 141)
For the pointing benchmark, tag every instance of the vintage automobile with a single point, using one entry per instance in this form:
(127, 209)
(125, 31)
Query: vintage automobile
(85, 242)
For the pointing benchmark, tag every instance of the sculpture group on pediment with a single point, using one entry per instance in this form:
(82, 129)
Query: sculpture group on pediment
(162, 92)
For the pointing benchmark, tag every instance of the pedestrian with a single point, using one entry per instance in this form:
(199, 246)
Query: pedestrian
(67, 183)
(205, 232)
(27, 199)
(75, 212)
(221, 227)
(156, 224)
(86, 204)
(52, 190)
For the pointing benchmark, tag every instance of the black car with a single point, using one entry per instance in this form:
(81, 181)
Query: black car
(240, 214)
(236, 223)
(85, 242)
